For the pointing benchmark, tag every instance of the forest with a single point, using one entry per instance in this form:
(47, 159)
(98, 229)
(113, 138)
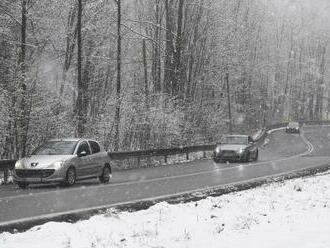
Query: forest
(141, 74)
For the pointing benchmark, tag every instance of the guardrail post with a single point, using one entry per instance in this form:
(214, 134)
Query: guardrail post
(204, 154)
(138, 160)
(187, 155)
(165, 158)
(5, 176)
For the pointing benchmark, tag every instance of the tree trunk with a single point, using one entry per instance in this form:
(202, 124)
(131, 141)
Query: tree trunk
(156, 64)
(146, 135)
(117, 114)
(177, 87)
(229, 103)
(23, 126)
(168, 69)
(71, 36)
(80, 83)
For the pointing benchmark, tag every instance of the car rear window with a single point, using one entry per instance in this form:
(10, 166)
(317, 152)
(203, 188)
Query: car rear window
(95, 146)
(293, 124)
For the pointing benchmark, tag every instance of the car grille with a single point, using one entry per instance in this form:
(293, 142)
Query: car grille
(34, 173)
(228, 153)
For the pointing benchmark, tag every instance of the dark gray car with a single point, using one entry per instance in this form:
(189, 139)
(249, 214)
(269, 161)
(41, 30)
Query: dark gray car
(236, 148)
(293, 127)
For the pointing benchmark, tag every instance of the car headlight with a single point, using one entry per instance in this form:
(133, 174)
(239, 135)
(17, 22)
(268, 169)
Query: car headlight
(19, 164)
(57, 165)
(217, 150)
(240, 151)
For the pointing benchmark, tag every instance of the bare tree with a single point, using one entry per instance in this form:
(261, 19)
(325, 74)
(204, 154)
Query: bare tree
(23, 123)
(118, 96)
(81, 112)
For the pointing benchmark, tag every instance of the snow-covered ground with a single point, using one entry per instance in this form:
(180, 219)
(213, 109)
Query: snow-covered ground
(295, 213)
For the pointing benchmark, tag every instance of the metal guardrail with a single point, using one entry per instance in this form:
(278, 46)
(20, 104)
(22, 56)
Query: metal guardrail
(315, 122)
(6, 166)
(301, 122)
(161, 152)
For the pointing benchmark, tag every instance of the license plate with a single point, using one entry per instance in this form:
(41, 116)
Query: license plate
(34, 180)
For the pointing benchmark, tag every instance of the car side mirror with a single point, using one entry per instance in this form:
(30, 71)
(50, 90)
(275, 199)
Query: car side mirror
(82, 153)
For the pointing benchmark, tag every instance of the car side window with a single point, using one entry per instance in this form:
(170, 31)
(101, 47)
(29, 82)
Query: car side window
(94, 146)
(84, 147)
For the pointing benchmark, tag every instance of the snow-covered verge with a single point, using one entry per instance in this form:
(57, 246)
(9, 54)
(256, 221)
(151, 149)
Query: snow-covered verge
(295, 213)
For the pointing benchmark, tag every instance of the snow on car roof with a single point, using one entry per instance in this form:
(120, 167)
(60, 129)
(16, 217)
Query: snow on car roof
(237, 135)
(293, 123)
(67, 139)
(73, 139)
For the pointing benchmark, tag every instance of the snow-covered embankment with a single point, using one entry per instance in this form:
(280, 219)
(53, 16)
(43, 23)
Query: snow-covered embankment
(295, 213)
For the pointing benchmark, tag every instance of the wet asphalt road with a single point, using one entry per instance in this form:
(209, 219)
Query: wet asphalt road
(282, 152)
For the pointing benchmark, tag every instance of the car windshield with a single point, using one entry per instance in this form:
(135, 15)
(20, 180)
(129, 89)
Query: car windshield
(293, 124)
(56, 148)
(235, 140)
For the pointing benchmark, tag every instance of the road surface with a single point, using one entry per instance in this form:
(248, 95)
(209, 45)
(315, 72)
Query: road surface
(282, 153)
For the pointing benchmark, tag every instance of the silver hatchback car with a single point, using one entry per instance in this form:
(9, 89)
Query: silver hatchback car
(64, 161)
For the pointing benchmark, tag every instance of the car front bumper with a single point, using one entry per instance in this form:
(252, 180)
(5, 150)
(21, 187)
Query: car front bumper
(292, 130)
(38, 176)
(230, 156)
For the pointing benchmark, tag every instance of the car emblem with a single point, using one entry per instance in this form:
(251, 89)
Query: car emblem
(34, 164)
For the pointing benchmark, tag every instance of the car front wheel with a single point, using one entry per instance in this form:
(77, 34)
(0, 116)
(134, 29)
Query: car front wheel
(70, 177)
(216, 160)
(22, 185)
(248, 157)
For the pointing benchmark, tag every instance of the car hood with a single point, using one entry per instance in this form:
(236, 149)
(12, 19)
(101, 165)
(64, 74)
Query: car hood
(44, 161)
(231, 147)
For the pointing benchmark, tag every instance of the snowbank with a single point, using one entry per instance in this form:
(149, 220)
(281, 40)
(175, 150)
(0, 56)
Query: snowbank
(295, 213)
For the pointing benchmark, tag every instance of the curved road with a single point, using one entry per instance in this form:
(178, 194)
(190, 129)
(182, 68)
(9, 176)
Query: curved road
(282, 153)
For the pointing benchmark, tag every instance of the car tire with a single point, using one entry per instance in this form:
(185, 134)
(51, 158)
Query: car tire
(216, 160)
(71, 176)
(106, 174)
(22, 185)
(248, 157)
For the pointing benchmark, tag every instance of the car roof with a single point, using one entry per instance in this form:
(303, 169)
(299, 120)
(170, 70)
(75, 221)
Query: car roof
(293, 123)
(237, 135)
(71, 139)
(66, 139)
